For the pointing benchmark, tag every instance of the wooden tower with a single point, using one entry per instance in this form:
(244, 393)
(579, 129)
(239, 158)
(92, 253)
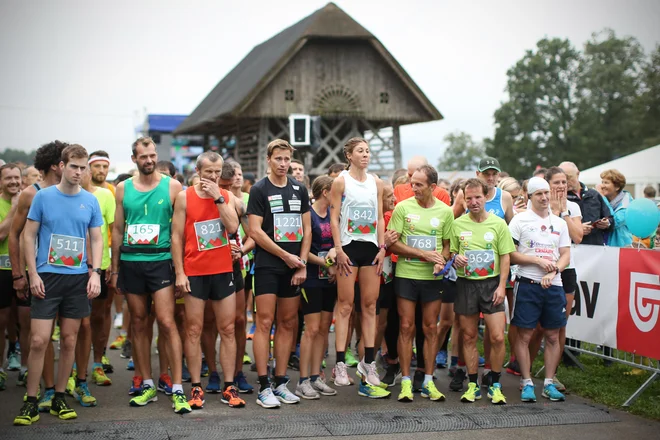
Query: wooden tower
(326, 65)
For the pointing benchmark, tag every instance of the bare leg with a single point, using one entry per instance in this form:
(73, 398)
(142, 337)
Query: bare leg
(68, 337)
(287, 310)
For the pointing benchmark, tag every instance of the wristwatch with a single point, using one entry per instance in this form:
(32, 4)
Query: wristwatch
(97, 270)
(219, 201)
(565, 214)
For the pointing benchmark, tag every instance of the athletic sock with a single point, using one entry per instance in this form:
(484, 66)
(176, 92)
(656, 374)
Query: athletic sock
(427, 378)
(547, 381)
(302, 379)
(473, 377)
(313, 377)
(495, 376)
(280, 380)
(368, 355)
(341, 356)
(228, 384)
(79, 381)
(177, 388)
(196, 384)
(263, 383)
(148, 383)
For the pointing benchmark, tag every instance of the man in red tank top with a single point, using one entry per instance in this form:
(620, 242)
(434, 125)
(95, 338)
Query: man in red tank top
(204, 216)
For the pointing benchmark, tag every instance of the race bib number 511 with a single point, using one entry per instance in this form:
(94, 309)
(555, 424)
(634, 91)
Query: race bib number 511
(66, 251)
(142, 234)
(287, 227)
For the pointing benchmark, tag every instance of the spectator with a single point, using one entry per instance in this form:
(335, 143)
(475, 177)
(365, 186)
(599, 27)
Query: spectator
(399, 173)
(650, 192)
(593, 206)
(540, 172)
(512, 186)
(166, 167)
(30, 175)
(444, 184)
(248, 181)
(612, 185)
(335, 169)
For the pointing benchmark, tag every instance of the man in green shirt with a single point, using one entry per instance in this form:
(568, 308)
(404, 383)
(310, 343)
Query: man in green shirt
(481, 244)
(424, 225)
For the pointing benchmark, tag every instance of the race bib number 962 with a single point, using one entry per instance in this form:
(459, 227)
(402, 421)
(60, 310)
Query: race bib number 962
(66, 251)
(211, 234)
(480, 263)
(362, 220)
(287, 227)
(142, 234)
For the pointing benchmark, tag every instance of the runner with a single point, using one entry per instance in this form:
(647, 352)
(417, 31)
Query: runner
(543, 252)
(424, 225)
(61, 215)
(481, 243)
(358, 233)
(203, 216)
(10, 190)
(142, 266)
(279, 223)
(319, 296)
(46, 160)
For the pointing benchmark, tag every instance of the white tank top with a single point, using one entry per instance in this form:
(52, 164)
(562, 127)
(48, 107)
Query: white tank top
(358, 219)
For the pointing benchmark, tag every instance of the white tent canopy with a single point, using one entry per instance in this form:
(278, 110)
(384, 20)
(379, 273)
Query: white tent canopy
(641, 169)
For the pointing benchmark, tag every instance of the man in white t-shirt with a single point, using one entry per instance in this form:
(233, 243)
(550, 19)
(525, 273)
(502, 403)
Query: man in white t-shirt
(543, 252)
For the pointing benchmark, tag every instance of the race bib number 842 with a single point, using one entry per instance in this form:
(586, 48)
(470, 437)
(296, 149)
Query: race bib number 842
(362, 220)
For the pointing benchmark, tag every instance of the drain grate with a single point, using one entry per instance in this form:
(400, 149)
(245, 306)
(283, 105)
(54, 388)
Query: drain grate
(273, 425)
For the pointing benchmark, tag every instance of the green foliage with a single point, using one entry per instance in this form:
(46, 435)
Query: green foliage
(588, 107)
(462, 153)
(14, 155)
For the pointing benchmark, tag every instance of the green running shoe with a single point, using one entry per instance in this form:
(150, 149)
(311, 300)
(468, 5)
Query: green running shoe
(429, 391)
(180, 403)
(406, 394)
(3, 380)
(29, 414)
(46, 400)
(60, 409)
(83, 396)
(372, 392)
(495, 394)
(350, 359)
(473, 393)
(147, 395)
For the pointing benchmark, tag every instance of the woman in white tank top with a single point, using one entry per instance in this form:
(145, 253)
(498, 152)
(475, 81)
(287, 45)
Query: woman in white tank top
(356, 219)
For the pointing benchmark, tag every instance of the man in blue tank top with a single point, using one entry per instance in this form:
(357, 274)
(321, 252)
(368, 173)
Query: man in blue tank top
(498, 202)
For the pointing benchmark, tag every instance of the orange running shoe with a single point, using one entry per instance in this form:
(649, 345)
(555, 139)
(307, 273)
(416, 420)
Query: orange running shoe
(230, 397)
(196, 398)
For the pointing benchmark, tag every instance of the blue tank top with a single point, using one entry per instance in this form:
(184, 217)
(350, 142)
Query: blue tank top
(494, 205)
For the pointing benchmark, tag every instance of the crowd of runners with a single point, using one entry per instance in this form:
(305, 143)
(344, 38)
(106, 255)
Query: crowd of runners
(399, 267)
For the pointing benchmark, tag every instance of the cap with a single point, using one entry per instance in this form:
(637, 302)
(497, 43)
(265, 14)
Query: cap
(249, 176)
(488, 163)
(537, 184)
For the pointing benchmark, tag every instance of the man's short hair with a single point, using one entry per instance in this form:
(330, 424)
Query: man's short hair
(336, 168)
(278, 143)
(430, 173)
(299, 162)
(476, 183)
(9, 166)
(142, 140)
(99, 153)
(74, 151)
(228, 171)
(650, 192)
(211, 156)
(166, 164)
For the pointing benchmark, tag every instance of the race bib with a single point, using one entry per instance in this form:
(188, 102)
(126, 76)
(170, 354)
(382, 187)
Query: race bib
(5, 262)
(211, 234)
(362, 220)
(480, 263)
(323, 271)
(423, 242)
(388, 272)
(287, 227)
(142, 234)
(66, 251)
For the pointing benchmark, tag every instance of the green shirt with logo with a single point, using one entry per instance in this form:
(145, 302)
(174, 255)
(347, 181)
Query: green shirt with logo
(107, 205)
(5, 207)
(482, 244)
(420, 228)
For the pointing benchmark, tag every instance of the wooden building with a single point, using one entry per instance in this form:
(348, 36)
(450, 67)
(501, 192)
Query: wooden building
(327, 65)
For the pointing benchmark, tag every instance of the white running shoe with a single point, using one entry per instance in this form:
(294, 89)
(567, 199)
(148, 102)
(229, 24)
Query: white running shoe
(267, 399)
(340, 375)
(284, 395)
(368, 373)
(320, 386)
(119, 320)
(306, 391)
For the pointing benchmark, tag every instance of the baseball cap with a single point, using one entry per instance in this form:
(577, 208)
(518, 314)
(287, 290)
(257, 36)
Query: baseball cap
(489, 163)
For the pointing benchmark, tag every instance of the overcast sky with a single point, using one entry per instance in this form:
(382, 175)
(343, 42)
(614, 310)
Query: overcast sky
(83, 71)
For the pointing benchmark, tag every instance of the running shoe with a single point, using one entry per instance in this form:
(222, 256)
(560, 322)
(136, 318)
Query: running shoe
(458, 380)
(185, 374)
(452, 370)
(28, 415)
(3, 381)
(322, 388)
(196, 400)
(13, 361)
(441, 359)
(247, 360)
(146, 396)
(63, 411)
(272, 334)
(495, 394)
(136, 386)
(351, 361)
(46, 400)
(392, 373)
(165, 384)
(83, 396)
(560, 386)
(131, 365)
(70, 386)
(25, 396)
(429, 391)
(513, 368)
(368, 372)
(527, 394)
(250, 335)
(550, 392)
(482, 361)
(213, 386)
(406, 394)
(418, 381)
(284, 395)
(205, 369)
(372, 392)
(242, 384)
(126, 350)
(472, 394)
(107, 366)
(99, 377)
(180, 403)
(118, 321)
(118, 343)
(56, 334)
(306, 390)
(249, 317)
(340, 375)
(266, 399)
(294, 362)
(486, 380)
(21, 381)
(230, 397)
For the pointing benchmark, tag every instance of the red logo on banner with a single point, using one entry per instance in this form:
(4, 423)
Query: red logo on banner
(638, 326)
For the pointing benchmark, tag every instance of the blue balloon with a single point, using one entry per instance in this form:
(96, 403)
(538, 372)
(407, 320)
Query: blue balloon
(642, 217)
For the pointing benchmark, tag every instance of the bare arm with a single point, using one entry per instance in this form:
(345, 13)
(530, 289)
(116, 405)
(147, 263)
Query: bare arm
(5, 225)
(178, 227)
(29, 243)
(564, 258)
(507, 201)
(336, 191)
(575, 230)
(17, 226)
(228, 214)
(96, 239)
(307, 236)
(118, 227)
(505, 266)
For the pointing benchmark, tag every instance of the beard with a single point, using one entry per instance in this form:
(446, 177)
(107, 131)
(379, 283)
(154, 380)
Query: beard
(143, 169)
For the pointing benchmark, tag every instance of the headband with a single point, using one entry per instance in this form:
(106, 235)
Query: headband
(98, 158)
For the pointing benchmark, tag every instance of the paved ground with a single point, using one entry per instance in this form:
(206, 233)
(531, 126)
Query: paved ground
(344, 414)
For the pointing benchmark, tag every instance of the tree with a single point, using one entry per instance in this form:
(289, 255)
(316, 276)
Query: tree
(647, 106)
(462, 153)
(14, 155)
